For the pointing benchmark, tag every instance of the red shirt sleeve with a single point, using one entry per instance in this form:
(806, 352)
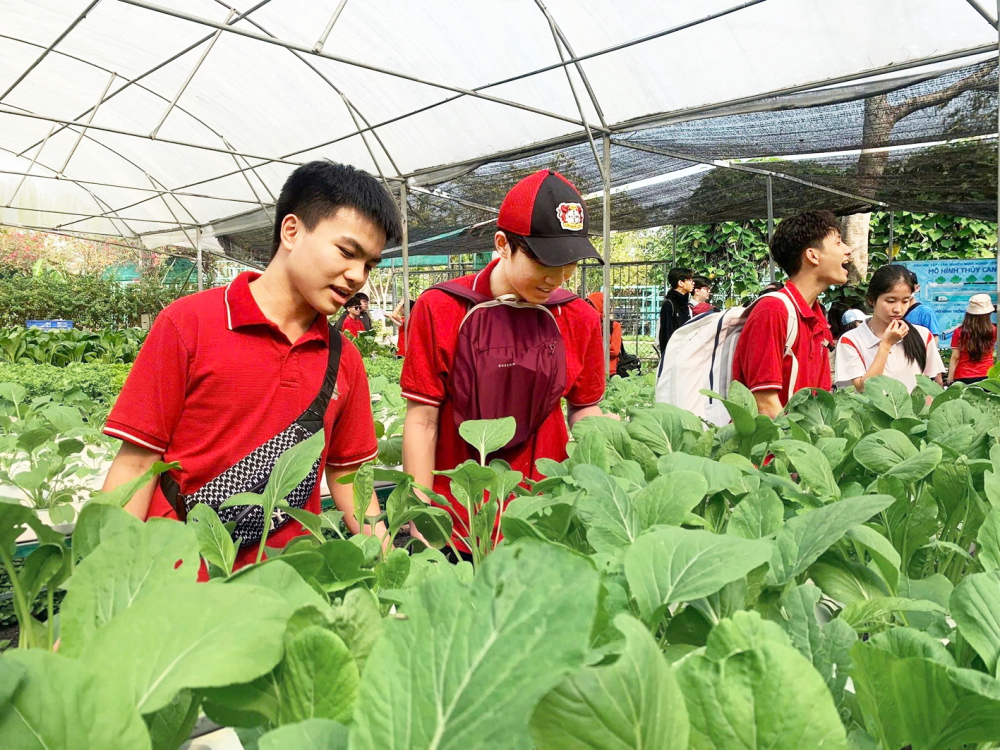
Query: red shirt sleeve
(956, 338)
(352, 439)
(588, 388)
(149, 407)
(760, 350)
(430, 332)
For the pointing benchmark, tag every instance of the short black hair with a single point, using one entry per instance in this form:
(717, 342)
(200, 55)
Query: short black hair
(677, 275)
(518, 243)
(797, 233)
(700, 282)
(362, 297)
(353, 302)
(317, 190)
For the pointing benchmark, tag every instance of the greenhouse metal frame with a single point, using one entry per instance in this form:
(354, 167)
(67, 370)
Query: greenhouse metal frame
(104, 102)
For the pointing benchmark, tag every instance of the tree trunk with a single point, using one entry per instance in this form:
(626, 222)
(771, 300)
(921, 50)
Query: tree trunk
(855, 234)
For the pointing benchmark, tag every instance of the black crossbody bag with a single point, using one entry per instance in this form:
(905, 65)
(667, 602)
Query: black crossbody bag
(252, 472)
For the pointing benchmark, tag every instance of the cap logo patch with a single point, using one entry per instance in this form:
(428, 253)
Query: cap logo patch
(570, 216)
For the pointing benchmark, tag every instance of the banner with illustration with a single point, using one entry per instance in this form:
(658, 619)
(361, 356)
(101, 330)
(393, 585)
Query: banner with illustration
(947, 285)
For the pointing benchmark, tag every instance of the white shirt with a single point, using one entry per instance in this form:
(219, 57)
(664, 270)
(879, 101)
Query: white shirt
(857, 348)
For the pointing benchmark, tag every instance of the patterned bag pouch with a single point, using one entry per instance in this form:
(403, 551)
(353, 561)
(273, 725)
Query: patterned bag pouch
(252, 472)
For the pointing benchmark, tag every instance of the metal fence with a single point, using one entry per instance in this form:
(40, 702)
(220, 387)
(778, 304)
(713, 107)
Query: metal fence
(637, 291)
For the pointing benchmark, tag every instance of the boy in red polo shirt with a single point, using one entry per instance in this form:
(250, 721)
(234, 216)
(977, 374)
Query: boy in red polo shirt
(353, 321)
(226, 370)
(542, 235)
(809, 248)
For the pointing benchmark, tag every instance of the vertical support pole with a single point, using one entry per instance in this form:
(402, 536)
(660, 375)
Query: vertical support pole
(201, 270)
(607, 253)
(998, 176)
(405, 246)
(770, 226)
(892, 235)
(675, 251)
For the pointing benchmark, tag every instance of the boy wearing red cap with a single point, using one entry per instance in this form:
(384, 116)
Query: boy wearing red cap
(542, 234)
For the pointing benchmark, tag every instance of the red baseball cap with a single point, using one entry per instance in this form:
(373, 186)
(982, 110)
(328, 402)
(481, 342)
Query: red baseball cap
(548, 211)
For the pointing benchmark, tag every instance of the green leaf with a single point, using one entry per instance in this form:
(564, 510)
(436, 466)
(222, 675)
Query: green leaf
(615, 432)
(660, 429)
(889, 396)
(312, 734)
(669, 499)
(743, 631)
(812, 466)
(356, 619)
(277, 576)
(363, 489)
(292, 468)
(392, 572)
(120, 572)
(206, 636)
(988, 541)
(612, 520)
(319, 678)
(916, 467)
(906, 642)
(757, 515)
(860, 614)
(60, 703)
(121, 494)
(753, 699)
(975, 605)
(847, 582)
(826, 646)
(170, 727)
(800, 542)
(592, 449)
(718, 475)
(487, 435)
(634, 703)
(342, 567)
(883, 553)
(669, 565)
(214, 541)
(881, 451)
(511, 635)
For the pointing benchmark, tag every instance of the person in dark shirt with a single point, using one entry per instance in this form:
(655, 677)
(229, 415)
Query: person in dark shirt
(701, 295)
(675, 310)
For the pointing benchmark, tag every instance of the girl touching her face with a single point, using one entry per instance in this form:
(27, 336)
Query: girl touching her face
(885, 344)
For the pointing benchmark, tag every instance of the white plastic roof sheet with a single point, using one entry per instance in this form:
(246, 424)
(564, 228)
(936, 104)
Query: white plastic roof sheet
(405, 74)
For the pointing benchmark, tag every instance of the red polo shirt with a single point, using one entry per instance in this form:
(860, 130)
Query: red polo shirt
(433, 335)
(215, 379)
(354, 325)
(760, 362)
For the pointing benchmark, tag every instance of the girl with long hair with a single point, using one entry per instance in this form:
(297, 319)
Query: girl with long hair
(885, 344)
(972, 343)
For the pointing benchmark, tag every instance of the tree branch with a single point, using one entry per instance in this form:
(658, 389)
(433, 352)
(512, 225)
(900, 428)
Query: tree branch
(934, 98)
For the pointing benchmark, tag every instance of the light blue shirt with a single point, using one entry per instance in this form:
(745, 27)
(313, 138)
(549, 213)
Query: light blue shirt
(924, 316)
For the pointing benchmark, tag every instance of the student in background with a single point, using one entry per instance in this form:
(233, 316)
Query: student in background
(675, 310)
(700, 295)
(921, 314)
(973, 342)
(353, 322)
(398, 317)
(364, 315)
(596, 300)
(886, 344)
(846, 320)
(808, 248)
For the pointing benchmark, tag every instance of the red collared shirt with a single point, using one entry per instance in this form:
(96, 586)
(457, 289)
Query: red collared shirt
(760, 362)
(433, 335)
(215, 379)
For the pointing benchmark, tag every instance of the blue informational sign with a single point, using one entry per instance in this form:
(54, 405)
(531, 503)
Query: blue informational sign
(947, 285)
(51, 325)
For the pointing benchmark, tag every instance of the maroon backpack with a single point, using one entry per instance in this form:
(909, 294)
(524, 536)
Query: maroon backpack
(510, 360)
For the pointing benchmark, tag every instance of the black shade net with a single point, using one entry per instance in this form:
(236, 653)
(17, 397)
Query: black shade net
(853, 134)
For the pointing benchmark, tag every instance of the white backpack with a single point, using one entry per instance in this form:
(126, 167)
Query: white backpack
(700, 356)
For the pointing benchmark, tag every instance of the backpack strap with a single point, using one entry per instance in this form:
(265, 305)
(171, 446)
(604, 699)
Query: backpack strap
(558, 297)
(462, 292)
(792, 333)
